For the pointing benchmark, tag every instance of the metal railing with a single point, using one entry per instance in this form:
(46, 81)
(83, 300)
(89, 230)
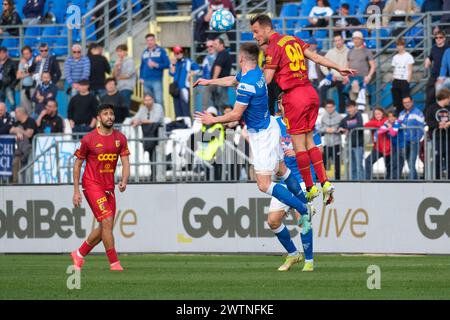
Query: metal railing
(440, 154)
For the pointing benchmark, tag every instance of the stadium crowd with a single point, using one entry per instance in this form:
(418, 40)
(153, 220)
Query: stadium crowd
(397, 133)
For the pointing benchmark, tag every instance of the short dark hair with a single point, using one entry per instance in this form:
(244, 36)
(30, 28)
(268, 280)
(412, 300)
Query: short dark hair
(108, 80)
(122, 47)
(221, 41)
(26, 48)
(351, 103)
(441, 32)
(104, 106)
(345, 6)
(250, 50)
(263, 19)
(330, 101)
(443, 94)
(393, 112)
(53, 100)
(150, 35)
(43, 45)
(407, 96)
(400, 41)
(83, 82)
(3, 49)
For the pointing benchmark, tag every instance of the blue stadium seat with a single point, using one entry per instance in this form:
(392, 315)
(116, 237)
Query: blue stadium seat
(135, 4)
(277, 25)
(32, 36)
(246, 36)
(12, 44)
(413, 36)
(335, 4)
(58, 8)
(290, 10)
(321, 34)
(304, 35)
(49, 35)
(61, 46)
(386, 96)
(19, 7)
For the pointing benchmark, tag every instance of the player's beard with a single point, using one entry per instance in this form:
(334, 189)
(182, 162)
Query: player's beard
(106, 125)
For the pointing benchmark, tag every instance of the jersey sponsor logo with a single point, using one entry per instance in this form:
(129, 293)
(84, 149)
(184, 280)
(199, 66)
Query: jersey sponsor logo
(107, 169)
(99, 145)
(247, 88)
(107, 157)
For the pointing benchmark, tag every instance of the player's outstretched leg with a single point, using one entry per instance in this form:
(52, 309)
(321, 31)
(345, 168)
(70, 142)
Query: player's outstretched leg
(275, 223)
(78, 255)
(108, 242)
(307, 243)
(292, 183)
(278, 191)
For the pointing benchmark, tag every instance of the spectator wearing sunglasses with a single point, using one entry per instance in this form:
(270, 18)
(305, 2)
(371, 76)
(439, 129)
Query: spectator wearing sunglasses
(44, 62)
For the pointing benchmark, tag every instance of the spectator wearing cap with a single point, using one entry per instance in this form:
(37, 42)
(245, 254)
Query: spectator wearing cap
(181, 70)
(45, 62)
(343, 23)
(338, 54)
(8, 79)
(44, 92)
(221, 68)
(314, 73)
(114, 98)
(76, 68)
(9, 17)
(154, 60)
(33, 11)
(403, 69)
(82, 109)
(125, 74)
(361, 59)
(99, 68)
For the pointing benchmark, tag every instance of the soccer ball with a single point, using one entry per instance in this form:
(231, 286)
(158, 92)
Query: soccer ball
(222, 20)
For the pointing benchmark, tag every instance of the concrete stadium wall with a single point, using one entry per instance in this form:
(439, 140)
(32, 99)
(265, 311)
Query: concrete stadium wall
(366, 218)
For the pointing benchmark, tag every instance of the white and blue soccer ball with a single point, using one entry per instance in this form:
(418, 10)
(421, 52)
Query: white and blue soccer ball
(222, 20)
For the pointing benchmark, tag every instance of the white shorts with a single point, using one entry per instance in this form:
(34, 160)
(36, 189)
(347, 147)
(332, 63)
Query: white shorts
(276, 205)
(266, 148)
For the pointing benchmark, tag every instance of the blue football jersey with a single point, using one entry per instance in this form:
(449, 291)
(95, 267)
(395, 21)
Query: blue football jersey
(252, 92)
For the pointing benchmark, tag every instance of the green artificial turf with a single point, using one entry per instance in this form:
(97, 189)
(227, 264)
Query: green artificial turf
(155, 276)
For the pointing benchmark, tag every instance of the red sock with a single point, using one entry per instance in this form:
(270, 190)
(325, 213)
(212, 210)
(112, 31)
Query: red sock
(85, 249)
(112, 256)
(304, 167)
(317, 161)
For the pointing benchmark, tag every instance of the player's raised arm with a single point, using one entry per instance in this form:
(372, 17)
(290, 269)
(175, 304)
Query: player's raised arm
(125, 172)
(76, 182)
(317, 58)
(235, 115)
(229, 81)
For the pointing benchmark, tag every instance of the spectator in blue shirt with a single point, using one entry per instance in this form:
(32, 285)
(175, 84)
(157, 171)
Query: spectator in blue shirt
(207, 66)
(153, 62)
(413, 122)
(181, 71)
(76, 68)
(392, 128)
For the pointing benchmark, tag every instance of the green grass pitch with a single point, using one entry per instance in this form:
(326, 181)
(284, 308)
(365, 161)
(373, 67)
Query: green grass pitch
(156, 276)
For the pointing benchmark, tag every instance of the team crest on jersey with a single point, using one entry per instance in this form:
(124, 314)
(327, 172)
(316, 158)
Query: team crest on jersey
(117, 143)
(99, 145)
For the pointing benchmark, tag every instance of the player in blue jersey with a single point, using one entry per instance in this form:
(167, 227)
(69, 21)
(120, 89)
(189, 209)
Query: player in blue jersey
(264, 133)
(278, 210)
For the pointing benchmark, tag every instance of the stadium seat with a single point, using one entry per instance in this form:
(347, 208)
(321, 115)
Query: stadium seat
(277, 25)
(321, 34)
(413, 36)
(50, 35)
(61, 46)
(12, 44)
(58, 8)
(19, 7)
(246, 36)
(304, 35)
(290, 10)
(32, 36)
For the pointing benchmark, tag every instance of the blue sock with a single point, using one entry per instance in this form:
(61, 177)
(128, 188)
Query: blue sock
(307, 242)
(284, 237)
(294, 185)
(287, 197)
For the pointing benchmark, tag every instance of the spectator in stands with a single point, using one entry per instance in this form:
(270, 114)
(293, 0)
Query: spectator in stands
(153, 62)
(76, 68)
(99, 68)
(397, 13)
(181, 70)
(221, 68)
(10, 17)
(391, 128)
(314, 73)
(353, 121)
(438, 121)
(338, 54)
(114, 98)
(33, 10)
(6, 121)
(49, 121)
(82, 110)
(204, 16)
(403, 69)
(44, 92)
(329, 125)
(432, 6)
(24, 129)
(8, 80)
(150, 112)
(361, 59)
(381, 143)
(413, 121)
(444, 73)
(23, 74)
(343, 23)
(434, 60)
(320, 14)
(379, 3)
(125, 73)
(445, 18)
(207, 67)
(45, 62)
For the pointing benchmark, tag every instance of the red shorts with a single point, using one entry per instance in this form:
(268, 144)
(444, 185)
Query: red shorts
(301, 108)
(102, 203)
